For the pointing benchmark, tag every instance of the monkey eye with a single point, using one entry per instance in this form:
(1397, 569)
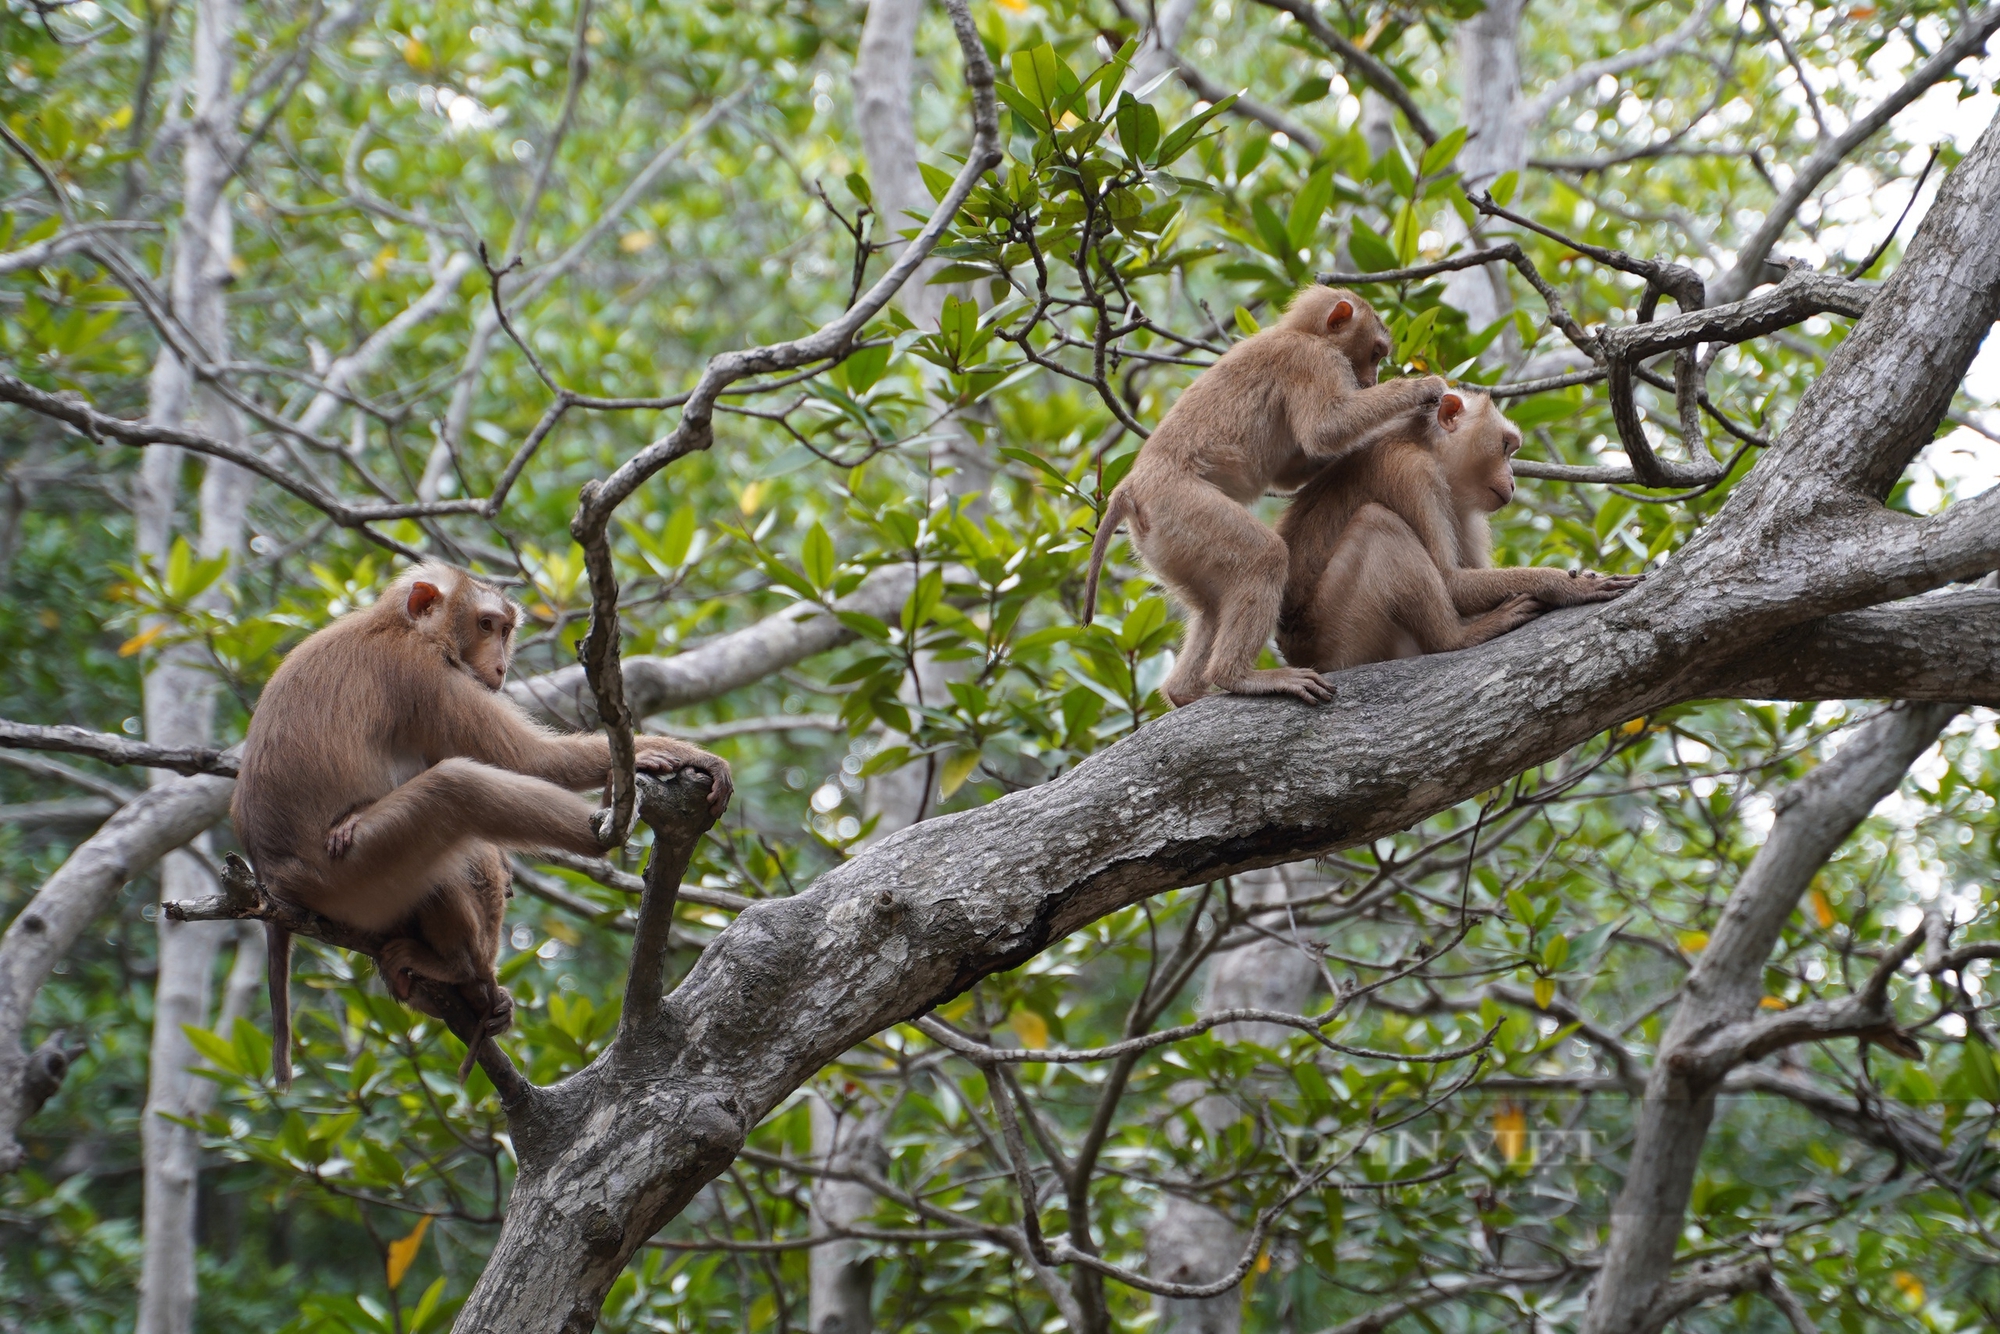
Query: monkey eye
(486, 624)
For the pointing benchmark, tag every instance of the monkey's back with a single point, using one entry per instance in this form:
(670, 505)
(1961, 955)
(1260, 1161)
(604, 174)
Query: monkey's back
(321, 742)
(1232, 427)
(1393, 470)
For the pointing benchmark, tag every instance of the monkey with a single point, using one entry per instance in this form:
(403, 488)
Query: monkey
(1268, 415)
(384, 774)
(1390, 549)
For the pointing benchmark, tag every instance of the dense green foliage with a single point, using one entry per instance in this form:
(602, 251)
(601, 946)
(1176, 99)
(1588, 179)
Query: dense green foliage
(1121, 245)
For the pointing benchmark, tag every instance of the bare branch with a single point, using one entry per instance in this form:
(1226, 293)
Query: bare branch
(1359, 63)
(1750, 268)
(1583, 76)
(115, 749)
(64, 242)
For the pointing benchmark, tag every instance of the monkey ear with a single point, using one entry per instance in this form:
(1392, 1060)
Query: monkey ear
(1450, 408)
(1342, 312)
(423, 596)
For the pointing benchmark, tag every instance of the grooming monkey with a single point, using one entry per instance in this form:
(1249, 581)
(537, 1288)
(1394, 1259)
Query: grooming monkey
(384, 774)
(1268, 415)
(1391, 550)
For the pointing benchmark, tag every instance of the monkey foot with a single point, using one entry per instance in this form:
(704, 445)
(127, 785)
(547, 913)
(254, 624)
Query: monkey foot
(340, 839)
(1301, 682)
(394, 961)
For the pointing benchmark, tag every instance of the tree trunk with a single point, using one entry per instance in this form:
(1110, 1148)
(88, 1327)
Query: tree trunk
(1190, 1242)
(1489, 81)
(842, 1288)
(1726, 985)
(179, 700)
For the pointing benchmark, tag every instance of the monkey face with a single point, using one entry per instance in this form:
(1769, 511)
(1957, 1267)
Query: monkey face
(473, 622)
(1361, 336)
(486, 636)
(1478, 448)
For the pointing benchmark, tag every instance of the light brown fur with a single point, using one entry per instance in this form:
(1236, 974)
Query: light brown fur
(1272, 412)
(384, 774)
(1391, 553)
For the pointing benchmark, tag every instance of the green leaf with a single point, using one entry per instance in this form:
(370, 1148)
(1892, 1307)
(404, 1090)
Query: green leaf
(216, 1051)
(864, 367)
(1141, 622)
(1369, 248)
(1246, 321)
(857, 185)
(817, 559)
(1022, 104)
(1309, 207)
(1182, 138)
(1138, 128)
(936, 180)
(1554, 952)
(956, 769)
(677, 538)
(1503, 187)
(1407, 230)
(1440, 154)
(1976, 1067)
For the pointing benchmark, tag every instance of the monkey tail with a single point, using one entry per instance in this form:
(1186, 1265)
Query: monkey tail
(1115, 511)
(278, 974)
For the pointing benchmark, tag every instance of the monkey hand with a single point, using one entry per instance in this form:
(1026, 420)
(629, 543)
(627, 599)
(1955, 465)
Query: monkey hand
(395, 960)
(1586, 586)
(490, 1001)
(668, 756)
(1430, 390)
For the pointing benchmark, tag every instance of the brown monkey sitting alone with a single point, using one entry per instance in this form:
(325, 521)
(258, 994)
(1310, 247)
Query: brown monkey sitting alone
(1268, 415)
(384, 774)
(1390, 546)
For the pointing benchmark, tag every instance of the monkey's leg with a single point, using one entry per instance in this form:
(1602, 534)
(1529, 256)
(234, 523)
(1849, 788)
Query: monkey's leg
(1248, 583)
(1184, 684)
(1399, 575)
(382, 862)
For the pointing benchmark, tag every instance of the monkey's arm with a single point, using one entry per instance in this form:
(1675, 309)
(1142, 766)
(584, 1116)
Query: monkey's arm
(472, 722)
(1475, 592)
(1328, 425)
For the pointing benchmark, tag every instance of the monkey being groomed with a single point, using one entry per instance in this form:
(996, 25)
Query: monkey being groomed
(384, 775)
(1390, 549)
(1272, 412)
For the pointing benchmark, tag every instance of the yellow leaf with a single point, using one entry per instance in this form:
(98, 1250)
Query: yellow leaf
(1264, 1260)
(1909, 1285)
(49, 617)
(416, 54)
(139, 641)
(1633, 728)
(562, 930)
(1018, 6)
(1545, 991)
(751, 495)
(956, 770)
(1031, 1028)
(633, 242)
(379, 266)
(1510, 1132)
(1822, 910)
(1773, 1003)
(404, 1250)
(118, 119)
(1694, 942)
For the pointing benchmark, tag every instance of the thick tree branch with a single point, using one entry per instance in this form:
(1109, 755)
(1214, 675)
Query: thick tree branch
(727, 662)
(153, 824)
